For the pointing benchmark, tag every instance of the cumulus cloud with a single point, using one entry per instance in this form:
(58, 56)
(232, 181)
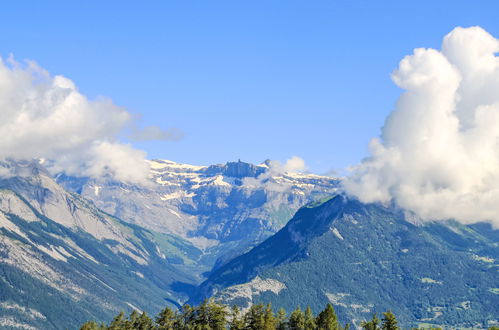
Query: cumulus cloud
(292, 165)
(150, 133)
(438, 155)
(44, 116)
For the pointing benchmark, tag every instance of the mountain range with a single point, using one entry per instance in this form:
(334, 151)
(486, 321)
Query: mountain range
(78, 248)
(74, 243)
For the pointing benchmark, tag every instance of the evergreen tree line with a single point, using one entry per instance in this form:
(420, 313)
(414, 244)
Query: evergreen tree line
(213, 316)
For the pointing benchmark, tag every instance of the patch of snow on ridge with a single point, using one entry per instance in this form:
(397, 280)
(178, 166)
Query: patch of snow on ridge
(11, 322)
(177, 195)
(337, 233)
(219, 181)
(430, 280)
(133, 306)
(159, 164)
(173, 195)
(29, 312)
(483, 259)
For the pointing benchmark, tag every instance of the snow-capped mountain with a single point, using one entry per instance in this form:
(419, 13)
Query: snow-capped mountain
(221, 210)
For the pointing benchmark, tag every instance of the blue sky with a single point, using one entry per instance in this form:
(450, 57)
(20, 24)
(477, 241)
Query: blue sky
(242, 79)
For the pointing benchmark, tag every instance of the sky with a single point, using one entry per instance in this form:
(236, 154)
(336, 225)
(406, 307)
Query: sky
(249, 80)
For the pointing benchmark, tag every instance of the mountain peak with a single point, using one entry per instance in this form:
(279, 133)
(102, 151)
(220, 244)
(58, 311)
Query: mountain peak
(237, 169)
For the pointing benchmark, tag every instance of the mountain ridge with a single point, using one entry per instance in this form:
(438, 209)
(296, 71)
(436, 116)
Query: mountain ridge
(364, 258)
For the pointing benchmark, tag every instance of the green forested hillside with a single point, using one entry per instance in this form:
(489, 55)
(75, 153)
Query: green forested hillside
(63, 261)
(364, 259)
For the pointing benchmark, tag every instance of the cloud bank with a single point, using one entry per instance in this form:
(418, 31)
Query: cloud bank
(438, 155)
(44, 116)
(294, 164)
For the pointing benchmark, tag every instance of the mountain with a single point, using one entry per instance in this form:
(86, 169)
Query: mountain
(64, 261)
(366, 258)
(67, 257)
(222, 210)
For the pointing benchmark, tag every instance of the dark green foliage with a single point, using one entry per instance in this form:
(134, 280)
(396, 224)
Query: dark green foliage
(213, 316)
(297, 320)
(254, 318)
(327, 319)
(389, 321)
(99, 273)
(371, 325)
(236, 322)
(92, 325)
(309, 319)
(166, 319)
(373, 257)
(282, 322)
(269, 318)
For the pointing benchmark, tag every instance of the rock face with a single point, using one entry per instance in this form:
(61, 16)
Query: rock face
(369, 258)
(63, 261)
(223, 210)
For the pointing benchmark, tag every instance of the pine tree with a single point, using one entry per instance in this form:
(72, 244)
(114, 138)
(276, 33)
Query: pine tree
(201, 316)
(166, 319)
(144, 322)
(309, 319)
(254, 318)
(186, 318)
(118, 323)
(92, 325)
(236, 323)
(282, 322)
(297, 320)
(371, 325)
(269, 318)
(216, 316)
(389, 321)
(327, 319)
(133, 320)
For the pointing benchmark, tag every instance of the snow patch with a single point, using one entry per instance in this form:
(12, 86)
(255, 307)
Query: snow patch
(29, 312)
(11, 322)
(175, 213)
(337, 233)
(133, 306)
(139, 274)
(482, 259)
(430, 280)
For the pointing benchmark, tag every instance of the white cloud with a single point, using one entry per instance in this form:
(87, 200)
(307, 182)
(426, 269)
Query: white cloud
(292, 165)
(44, 116)
(438, 155)
(156, 133)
